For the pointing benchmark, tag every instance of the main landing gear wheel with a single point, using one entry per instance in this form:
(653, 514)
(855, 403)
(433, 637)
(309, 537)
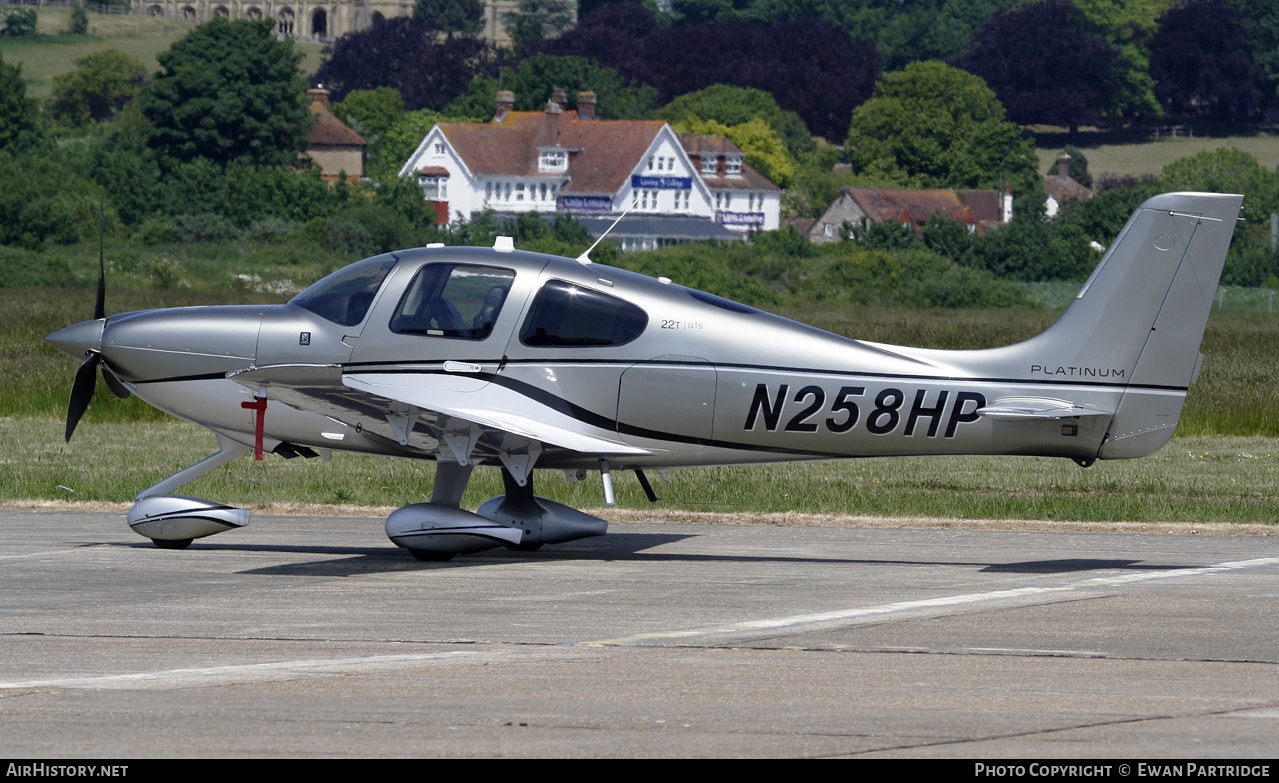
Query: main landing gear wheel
(427, 556)
(181, 543)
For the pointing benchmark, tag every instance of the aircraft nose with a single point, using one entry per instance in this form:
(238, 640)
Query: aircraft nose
(79, 338)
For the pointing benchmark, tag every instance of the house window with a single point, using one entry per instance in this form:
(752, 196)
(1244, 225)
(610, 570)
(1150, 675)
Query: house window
(519, 191)
(438, 149)
(709, 165)
(552, 160)
(733, 166)
(434, 188)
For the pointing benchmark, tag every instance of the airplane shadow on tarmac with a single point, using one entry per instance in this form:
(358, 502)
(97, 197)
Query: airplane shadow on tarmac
(613, 546)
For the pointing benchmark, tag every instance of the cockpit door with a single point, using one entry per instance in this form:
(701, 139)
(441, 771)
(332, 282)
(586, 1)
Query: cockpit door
(449, 320)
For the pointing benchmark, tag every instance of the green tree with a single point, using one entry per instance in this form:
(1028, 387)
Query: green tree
(735, 105)
(102, 83)
(79, 20)
(44, 202)
(1078, 166)
(1261, 18)
(397, 143)
(229, 90)
(536, 76)
(763, 148)
(931, 125)
(1227, 170)
(17, 111)
(452, 16)
(1128, 25)
(537, 20)
(371, 113)
(18, 23)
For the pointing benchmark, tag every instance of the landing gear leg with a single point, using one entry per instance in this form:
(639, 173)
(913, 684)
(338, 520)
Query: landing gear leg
(172, 521)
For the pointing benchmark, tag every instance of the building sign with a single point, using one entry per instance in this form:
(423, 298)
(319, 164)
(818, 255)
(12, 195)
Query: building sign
(661, 183)
(740, 218)
(585, 203)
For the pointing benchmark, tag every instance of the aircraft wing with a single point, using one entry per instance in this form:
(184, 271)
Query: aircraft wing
(459, 416)
(1012, 408)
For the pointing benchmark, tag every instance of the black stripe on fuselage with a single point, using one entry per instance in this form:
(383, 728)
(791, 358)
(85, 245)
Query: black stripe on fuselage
(437, 367)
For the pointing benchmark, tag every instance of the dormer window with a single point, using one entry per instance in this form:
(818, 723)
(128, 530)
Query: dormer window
(733, 167)
(709, 164)
(553, 160)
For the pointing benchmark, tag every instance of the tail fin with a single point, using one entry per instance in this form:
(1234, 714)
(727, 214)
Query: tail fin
(1140, 317)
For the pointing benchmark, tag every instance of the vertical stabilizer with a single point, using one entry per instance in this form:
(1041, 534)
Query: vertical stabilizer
(1142, 313)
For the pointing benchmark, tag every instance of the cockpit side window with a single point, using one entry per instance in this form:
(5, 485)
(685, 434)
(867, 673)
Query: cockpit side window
(457, 301)
(345, 295)
(568, 315)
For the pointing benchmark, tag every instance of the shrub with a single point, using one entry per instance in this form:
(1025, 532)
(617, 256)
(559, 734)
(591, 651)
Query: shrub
(204, 227)
(19, 23)
(157, 230)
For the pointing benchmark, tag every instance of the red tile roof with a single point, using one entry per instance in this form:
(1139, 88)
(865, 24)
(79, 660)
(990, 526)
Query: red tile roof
(602, 153)
(699, 145)
(915, 206)
(329, 131)
(1065, 188)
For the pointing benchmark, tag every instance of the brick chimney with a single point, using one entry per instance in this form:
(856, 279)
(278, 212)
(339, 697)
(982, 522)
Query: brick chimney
(586, 104)
(559, 95)
(1063, 166)
(505, 104)
(319, 95)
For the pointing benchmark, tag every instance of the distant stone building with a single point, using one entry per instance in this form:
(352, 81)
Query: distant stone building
(315, 21)
(333, 146)
(979, 210)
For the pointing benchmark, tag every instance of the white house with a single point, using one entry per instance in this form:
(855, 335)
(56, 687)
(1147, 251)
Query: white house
(555, 161)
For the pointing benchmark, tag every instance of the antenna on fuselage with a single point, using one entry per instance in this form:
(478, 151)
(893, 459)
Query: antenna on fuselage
(585, 258)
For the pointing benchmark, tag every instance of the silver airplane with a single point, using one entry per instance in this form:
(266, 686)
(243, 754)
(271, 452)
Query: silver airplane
(520, 361)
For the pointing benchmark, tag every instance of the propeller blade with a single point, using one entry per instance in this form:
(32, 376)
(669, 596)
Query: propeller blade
(116, 385)
(100, 304)
(86, 378)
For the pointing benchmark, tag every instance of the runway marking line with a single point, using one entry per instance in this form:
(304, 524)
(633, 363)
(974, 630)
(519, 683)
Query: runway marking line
(231, 672)
(238, 672)
(850, 617)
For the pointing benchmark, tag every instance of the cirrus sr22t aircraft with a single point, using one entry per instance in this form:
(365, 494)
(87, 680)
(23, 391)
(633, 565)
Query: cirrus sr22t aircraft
(491, 357)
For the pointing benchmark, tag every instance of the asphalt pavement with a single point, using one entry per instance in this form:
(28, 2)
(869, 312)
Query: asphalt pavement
(316, 637)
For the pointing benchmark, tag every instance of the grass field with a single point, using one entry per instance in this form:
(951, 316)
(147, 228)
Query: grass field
(141, 37)
(1192, 480)
(1150, 157)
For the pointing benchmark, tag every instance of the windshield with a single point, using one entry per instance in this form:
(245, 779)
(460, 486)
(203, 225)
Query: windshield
(345, 295)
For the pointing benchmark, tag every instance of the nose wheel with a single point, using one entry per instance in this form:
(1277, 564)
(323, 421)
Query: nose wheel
(181, 543)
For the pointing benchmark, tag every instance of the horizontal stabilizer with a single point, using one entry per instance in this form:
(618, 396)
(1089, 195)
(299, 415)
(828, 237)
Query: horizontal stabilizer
(1044, 408)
